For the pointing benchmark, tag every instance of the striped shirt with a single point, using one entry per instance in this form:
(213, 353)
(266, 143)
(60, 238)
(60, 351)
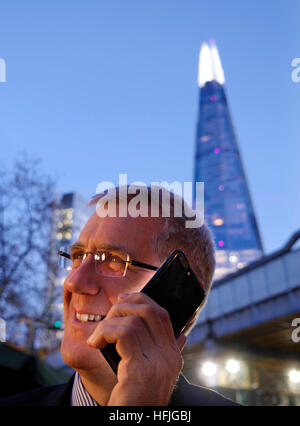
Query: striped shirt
(80, 396)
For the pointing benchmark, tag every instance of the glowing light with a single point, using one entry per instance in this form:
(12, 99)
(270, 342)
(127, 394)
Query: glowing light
(233, 366)
(218, 70)
(294, 376)
(210, 66)
(59, 334)
(221, 243)
(233, 258)
(209, 368)
(216, 150)
(57, 324)
(218, 222)
(221, 188)
(213, 98)
(205, 71)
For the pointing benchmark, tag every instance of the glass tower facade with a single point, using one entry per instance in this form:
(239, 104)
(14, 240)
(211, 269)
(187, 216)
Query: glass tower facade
(228, 208)
(70, 215)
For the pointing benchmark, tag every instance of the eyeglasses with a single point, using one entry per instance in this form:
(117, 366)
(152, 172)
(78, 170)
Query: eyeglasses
(107, 263)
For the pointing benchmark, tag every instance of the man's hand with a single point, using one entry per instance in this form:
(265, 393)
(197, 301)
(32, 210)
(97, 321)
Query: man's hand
(150, 355)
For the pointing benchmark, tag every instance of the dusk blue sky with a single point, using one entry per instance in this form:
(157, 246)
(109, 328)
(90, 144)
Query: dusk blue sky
(98, 88)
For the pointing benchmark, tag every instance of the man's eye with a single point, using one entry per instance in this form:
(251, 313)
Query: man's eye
(77, 257)
(111, 264)
(115, 259)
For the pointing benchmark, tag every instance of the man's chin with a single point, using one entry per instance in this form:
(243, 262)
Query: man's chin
(79, 355)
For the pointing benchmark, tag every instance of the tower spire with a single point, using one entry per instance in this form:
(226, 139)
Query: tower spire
(228, 206)
(210, 66)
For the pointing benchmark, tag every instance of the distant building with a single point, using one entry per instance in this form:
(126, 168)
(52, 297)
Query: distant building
(228, 207)
(246, 342)
(70, 215)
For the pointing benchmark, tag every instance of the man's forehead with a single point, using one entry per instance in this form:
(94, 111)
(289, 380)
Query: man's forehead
(119, 231)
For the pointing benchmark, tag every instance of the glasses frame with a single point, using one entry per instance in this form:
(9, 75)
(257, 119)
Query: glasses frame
(127, 262)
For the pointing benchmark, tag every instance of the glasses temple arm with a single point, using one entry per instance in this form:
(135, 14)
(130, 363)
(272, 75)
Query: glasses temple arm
(143, 265)
(62, 253)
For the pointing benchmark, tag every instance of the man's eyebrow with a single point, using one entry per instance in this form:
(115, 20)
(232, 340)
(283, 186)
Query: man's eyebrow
(77, 245)
(116, 248)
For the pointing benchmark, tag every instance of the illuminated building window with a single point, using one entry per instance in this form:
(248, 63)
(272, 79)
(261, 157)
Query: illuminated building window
(233, 258)
(67, 235)
(67, 221)
(67, 213)
(218, 222)
(59, 236)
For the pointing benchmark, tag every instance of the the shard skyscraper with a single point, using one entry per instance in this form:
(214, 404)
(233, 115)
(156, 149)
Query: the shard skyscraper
(228, 208)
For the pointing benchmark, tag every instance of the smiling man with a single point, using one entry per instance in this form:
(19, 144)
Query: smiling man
(141, 329)
(112, 260)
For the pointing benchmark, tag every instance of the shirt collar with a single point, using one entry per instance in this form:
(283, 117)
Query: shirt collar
(80, 396)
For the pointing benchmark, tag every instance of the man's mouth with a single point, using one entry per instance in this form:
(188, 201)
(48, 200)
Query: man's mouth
(89, 317)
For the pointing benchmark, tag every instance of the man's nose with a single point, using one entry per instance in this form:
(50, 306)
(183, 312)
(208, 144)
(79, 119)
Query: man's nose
(83, 280)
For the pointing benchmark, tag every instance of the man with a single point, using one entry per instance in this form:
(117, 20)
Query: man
(103, 304)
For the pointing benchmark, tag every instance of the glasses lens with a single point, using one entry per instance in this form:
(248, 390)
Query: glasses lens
(107, 263)
(110, 264)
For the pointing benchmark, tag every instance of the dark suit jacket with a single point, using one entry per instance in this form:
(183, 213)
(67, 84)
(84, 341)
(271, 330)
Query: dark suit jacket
(184, 394)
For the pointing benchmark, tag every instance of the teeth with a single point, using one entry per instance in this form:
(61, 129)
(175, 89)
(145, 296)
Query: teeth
(89, 317)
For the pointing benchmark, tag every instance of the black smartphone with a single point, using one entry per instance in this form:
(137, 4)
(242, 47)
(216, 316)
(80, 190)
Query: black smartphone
(176, 288)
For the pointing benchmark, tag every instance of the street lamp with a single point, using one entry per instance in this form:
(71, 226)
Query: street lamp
(294, 376)
(233, 366)
(209, 368)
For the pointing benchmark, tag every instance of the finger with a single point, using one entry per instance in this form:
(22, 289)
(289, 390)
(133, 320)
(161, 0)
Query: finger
(126, 337)
(156, 317)
(100, 337)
